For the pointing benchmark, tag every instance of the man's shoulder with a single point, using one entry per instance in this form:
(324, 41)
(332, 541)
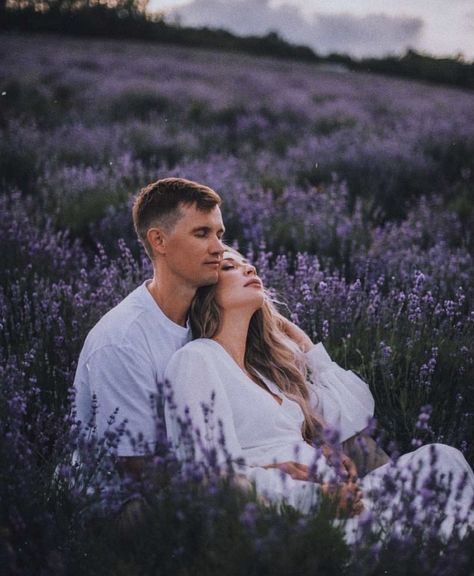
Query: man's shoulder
(121, 322)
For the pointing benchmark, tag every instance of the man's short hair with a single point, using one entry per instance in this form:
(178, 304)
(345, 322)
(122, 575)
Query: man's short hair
(158, 204)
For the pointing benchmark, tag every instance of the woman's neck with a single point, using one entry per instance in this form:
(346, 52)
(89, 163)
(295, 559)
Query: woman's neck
(232, 334)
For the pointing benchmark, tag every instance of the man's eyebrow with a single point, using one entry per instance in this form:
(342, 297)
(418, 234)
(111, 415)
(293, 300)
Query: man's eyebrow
(207, 228)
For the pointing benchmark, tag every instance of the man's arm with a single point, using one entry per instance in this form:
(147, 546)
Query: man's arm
(122, 381)
(133, 466)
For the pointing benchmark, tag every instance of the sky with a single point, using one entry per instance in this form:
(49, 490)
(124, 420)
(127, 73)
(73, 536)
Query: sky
(356, 27)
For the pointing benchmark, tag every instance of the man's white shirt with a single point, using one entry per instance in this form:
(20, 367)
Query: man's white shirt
(121, 365)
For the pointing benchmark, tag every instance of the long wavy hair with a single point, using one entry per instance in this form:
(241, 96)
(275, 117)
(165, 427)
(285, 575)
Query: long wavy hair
(269, 351)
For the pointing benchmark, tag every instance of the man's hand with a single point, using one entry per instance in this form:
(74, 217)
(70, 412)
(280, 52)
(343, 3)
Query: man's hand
(348, 466)
(346, 496)
(295, 333)
(296, 470)
(133, 466)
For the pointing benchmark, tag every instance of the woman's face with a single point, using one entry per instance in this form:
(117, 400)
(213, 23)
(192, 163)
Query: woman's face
(238, 286)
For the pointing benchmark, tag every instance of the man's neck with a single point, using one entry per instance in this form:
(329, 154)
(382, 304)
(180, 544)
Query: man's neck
(173, 299)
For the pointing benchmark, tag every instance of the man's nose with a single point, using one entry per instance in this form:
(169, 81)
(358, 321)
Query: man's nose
(217, 247)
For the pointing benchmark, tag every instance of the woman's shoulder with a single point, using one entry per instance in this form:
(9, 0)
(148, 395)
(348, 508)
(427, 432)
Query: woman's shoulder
(196, 359)
(200, 345)
(195, 351)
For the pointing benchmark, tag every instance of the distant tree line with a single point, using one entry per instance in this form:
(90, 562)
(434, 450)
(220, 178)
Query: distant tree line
(130, 19)
(415, 65)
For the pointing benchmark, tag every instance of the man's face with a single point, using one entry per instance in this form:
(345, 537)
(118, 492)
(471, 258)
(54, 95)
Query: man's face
(193, 248)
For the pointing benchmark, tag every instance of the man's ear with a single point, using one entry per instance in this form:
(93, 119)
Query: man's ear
(157, 240)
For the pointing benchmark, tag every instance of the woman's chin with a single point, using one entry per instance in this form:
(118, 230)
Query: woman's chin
(249, 310)
(244, 306)
(258, 306)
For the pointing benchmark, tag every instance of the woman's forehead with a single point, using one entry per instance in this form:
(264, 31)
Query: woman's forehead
(231, 255)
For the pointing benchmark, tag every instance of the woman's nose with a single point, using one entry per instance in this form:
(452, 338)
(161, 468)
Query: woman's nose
(250, 269)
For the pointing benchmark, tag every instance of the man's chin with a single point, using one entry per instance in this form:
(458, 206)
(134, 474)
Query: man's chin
(209, 280)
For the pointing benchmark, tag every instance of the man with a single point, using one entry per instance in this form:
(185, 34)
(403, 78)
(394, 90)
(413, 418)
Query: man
(124, 357)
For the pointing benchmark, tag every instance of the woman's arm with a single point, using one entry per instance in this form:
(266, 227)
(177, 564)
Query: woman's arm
(296, 334)
(339, 396)
(194, 385)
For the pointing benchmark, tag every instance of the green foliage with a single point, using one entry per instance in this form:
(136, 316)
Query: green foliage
(136, 103)
(144, 146)
(29, 101)
(82, 173)
(90, 192)
(329, 124)
(21, 158)
(423, 67)
(129, 19)
(215, 537)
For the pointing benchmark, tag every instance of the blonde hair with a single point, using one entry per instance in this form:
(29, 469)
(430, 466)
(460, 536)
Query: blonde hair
(269, 351)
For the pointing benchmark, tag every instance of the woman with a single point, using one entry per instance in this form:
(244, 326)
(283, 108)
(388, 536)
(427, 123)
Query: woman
(245, 380)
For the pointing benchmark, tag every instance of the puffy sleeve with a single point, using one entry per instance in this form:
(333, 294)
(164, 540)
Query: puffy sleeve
(339, 396)
(199, 420)
(199, 423)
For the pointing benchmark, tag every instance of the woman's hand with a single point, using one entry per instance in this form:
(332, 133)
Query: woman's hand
(296, 470)
(346, 496)
(296, 334)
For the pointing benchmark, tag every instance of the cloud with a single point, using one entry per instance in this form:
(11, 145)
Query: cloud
(240, 16)
(373, 34)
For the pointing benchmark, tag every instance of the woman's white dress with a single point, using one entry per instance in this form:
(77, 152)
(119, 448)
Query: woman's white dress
(210, 391)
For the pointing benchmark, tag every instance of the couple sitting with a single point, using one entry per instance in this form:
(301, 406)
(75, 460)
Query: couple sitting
(270, 388)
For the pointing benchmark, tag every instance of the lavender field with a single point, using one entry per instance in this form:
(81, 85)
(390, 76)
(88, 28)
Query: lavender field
(352, 193)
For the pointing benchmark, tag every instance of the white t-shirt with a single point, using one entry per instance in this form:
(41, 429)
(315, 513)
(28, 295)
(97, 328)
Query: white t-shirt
(122, 362)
